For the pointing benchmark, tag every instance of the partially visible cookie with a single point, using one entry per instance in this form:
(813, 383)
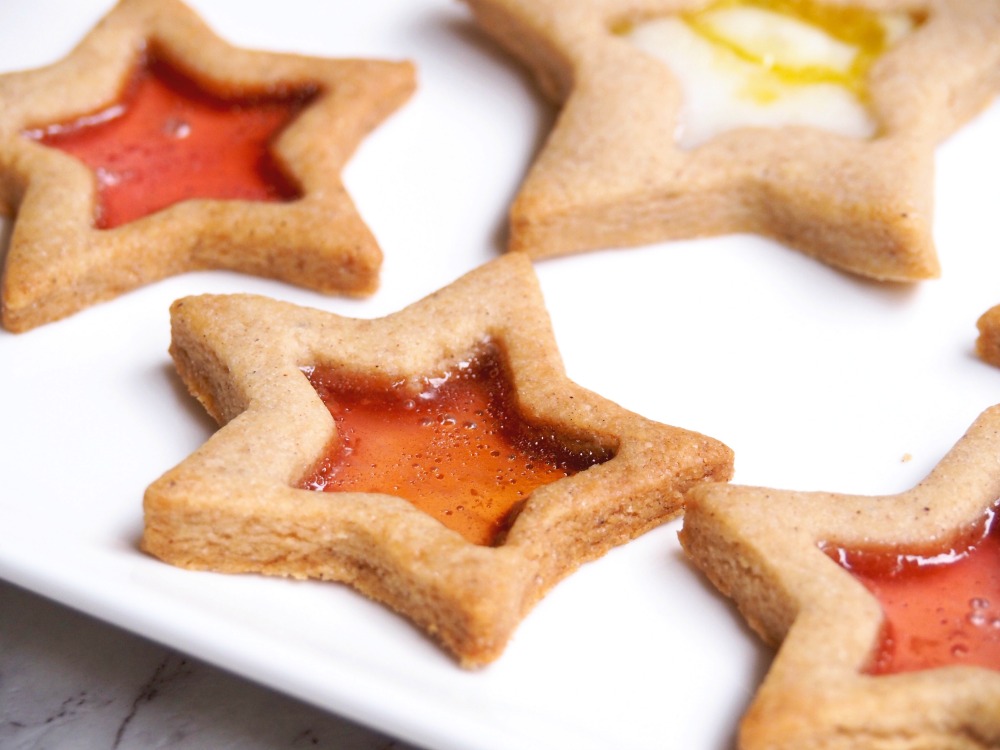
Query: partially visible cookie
(612, 172)
(886, 610)
(298, 224)
(988, 342)
(247, 501)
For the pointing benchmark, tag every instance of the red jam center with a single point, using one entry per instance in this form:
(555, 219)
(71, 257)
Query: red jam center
(168, 140)
(940, 611)
(457, 449)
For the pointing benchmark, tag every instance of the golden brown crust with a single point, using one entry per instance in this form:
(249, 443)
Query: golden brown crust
(233, 505)
(762, 548)
(611, 175)
(58, 263)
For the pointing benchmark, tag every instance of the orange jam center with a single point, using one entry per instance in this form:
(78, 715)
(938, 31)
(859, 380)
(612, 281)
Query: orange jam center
(455, 448)
(940, 610)
(168, 140)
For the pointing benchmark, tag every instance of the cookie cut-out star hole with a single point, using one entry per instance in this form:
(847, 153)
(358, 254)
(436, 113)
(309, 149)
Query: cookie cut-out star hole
(771, 63)
(942, 608)
(453, 444)
(883, 607)
(612, 173)
(243, 502)
(169, 140)
(278, 210)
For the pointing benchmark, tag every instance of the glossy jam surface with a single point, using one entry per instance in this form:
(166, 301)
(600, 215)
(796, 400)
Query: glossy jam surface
(455, 448)
(941, 610)
(168, 140)
(771, 63)
(798, 41)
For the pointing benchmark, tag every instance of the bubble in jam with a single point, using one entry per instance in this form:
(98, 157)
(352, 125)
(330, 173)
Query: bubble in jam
(454, 444)
(940, 609)
(771, 63)
(168, 140)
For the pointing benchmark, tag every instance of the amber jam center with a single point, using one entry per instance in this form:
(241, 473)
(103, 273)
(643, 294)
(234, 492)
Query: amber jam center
(169, 140)
(455, 447)
(940, 610)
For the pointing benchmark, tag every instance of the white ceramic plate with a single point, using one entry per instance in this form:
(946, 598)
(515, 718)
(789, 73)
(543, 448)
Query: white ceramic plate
(817, 380)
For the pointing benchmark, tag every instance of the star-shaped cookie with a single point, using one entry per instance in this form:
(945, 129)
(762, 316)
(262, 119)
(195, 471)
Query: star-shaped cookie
(612, 174)
(239, 504)
(779, 555)
(60, 261)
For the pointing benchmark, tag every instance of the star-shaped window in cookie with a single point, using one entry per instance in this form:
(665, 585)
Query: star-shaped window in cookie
(155, 148)
(168, 141)
(470, 474)
(654, 142)
(886, 609)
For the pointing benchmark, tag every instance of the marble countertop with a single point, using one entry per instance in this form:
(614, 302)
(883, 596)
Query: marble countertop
(70, 681)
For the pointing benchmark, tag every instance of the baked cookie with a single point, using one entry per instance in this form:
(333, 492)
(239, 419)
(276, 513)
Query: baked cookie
(111, 161)
(615, 171)
(886, 609)
(988, 342)
(248, 500)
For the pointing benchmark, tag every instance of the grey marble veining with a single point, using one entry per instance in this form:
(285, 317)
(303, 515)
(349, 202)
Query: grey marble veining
(68, 681)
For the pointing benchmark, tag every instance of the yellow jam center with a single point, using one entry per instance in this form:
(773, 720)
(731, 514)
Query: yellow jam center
(799, 41)
(770, 63)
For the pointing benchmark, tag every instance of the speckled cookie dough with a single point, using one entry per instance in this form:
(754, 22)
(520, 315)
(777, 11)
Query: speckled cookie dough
(60, 261)
(810, 572)
(236, 504)
(612, 172)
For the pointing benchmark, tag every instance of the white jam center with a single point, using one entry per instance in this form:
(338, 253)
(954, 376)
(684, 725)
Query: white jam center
(724, 90)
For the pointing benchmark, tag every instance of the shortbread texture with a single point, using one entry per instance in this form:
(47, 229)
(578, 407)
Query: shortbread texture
(611, 175)
(763, 548)
(59, 263)
(235, 505)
